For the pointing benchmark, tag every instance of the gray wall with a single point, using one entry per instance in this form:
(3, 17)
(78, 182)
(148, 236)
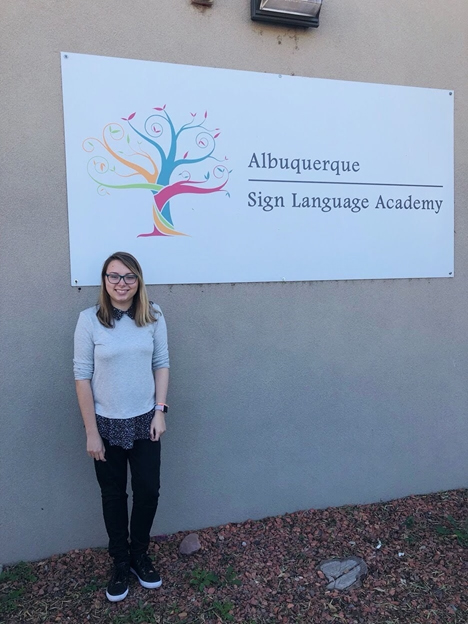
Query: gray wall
(283, 396)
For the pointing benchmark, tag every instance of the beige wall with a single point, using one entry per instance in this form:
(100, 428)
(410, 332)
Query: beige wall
(373, 374)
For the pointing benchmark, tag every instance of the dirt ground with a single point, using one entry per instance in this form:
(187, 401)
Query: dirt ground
(266, 571)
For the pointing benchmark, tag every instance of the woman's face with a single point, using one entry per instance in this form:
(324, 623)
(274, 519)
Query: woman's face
(121, 294)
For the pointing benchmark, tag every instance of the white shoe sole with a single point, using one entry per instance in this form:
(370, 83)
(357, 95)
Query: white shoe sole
(145, 584)
(117, 598)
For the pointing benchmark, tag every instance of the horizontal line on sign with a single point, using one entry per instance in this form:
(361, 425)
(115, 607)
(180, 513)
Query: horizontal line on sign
(350, 183)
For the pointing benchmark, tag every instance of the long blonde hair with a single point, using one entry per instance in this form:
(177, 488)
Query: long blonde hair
(144, 313)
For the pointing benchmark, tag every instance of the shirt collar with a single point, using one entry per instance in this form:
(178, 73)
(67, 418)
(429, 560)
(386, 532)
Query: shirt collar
(117, 314)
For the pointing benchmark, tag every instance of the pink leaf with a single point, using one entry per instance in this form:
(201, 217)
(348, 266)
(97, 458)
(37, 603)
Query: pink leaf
(164, 106)
(186, 154)
(159, 109)
(131, 116)
(206, 114)
(124, 118)
(216, 135)
(193, 114)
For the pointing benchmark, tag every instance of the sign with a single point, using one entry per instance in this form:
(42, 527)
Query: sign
(215, 175)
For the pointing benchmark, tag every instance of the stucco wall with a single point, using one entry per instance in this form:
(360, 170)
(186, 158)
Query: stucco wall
(283, 396)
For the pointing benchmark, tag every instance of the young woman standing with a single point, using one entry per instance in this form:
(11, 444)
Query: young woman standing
(121, 367)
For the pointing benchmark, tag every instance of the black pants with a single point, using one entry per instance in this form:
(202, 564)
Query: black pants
(144, 459)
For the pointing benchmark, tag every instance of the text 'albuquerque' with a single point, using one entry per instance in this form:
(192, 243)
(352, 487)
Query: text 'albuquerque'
(299, 165)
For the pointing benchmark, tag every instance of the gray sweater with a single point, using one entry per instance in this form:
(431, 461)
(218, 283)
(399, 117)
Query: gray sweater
(120, 362)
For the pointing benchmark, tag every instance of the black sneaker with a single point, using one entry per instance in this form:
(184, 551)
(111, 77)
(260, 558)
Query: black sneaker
(117, 589)
(142, 567)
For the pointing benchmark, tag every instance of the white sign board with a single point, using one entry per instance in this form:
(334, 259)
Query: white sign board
(214, 175)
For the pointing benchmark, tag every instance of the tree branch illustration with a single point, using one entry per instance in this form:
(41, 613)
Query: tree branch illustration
(160, 133)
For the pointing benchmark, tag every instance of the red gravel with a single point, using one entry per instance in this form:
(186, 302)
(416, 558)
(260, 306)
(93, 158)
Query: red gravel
(265, 572)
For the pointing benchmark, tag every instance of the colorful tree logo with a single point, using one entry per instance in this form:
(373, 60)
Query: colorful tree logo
(164, 168)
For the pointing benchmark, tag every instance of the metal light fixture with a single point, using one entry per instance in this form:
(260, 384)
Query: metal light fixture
(303, 13)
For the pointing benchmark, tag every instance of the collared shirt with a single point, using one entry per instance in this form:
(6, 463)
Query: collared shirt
(120, 362)
(117, 314)
(124, 432)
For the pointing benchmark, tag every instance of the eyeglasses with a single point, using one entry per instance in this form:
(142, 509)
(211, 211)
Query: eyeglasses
(129, 279)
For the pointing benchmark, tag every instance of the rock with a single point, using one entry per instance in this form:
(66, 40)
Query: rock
(190, 544)
(344, 573)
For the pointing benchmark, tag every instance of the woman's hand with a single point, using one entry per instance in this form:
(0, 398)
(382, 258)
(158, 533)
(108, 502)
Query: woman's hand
(95, 446)
(158, 426)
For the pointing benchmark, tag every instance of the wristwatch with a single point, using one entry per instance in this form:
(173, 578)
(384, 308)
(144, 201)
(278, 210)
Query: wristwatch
(161, 407)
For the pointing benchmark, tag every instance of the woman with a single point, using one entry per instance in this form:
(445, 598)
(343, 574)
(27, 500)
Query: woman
(121, 367)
